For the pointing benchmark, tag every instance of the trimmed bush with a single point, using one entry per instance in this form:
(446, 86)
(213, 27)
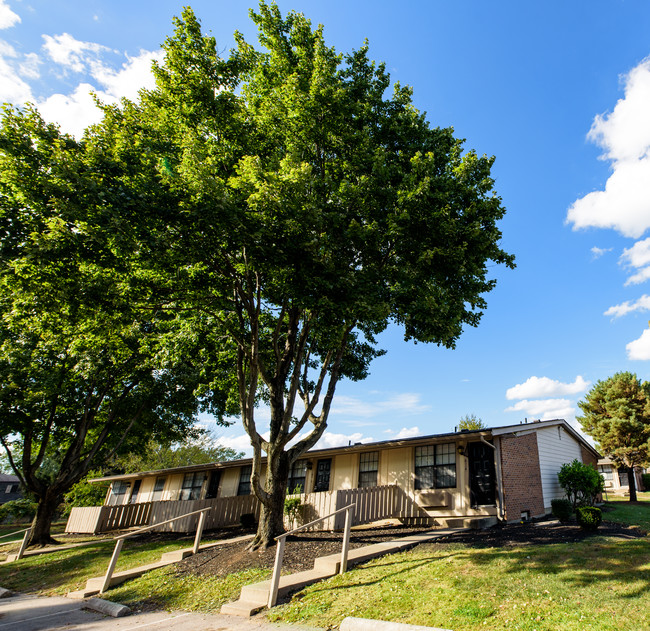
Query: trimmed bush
(581, 482)
(562, 509)
(589, 517)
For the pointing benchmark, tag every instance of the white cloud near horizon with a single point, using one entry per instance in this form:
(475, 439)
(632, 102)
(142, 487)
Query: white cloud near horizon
(544, 409)
(624, 136)
(539, 387)
(7, 17)
(639, 349)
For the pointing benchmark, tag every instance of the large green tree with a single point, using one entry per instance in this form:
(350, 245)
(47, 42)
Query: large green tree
(308, 205)
(616, 413)
(87, 366)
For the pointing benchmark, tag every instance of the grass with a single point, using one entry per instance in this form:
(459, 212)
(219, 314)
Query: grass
(68, 570)
(600, 583)
(164, 589)
(625, 513)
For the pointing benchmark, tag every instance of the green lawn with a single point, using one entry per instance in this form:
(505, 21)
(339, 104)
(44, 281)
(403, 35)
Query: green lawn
(601, 584)
(68, 570)
(626, 513)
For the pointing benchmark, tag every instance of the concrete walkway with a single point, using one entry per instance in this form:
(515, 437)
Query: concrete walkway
(34, 613)
(255, 597)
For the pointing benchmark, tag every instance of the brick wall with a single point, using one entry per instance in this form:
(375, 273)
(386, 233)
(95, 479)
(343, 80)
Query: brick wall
(522, 481)
(588, 457)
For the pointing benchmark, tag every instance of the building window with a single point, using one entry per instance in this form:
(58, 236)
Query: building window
(606, 472)
(158, 489)
(368, 467)
(192, 485)
(245, 473)
(297, 475)
(435, 466)
(118, 491)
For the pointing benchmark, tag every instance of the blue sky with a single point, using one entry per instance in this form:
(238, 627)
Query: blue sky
(559, 92)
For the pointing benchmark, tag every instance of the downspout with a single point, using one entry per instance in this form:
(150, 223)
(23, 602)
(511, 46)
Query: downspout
(497, 457)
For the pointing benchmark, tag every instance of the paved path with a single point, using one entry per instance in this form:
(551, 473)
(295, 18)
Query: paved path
(36, 613)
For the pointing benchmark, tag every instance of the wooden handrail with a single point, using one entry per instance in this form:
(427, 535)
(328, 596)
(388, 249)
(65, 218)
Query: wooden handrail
(311, 523)
(9, 534)
(120, 542)
(281, 539)
(161, 523)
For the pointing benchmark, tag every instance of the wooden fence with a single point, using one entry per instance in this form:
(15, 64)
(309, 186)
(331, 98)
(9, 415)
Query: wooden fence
(380, 502)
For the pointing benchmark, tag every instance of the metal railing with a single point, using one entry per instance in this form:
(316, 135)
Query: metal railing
(120, 542)
(279, 552)
(23, 545)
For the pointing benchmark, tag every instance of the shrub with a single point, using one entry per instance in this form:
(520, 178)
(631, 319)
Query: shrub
(589, 517)
(83, 493)
(645, 477)
(18, 510)
(581, 482)
(247, 520)
(562, 509)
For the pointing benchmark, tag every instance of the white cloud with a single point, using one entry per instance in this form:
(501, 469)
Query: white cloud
(76, 111)
(71, 53)
(537, 387)
(29, 67)
(13, 89)
(640, 349)
(638, 256)
(624, 135)
(544, 408)
(329, 440)
(407, 402)
(241, 442)
(642, 304)
(406, 432)
(7, 17)
(598, 252)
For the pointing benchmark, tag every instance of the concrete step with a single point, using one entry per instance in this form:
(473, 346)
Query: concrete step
(254, 597)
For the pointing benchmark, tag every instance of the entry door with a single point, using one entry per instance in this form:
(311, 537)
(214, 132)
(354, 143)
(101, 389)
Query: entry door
(482, 477)
(213, 485)
(323, 469)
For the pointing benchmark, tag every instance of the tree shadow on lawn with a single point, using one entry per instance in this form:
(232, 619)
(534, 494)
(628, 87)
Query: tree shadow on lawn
(600, 560)
(70, 569)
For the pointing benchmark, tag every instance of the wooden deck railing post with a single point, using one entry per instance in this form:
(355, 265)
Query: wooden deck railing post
(23, 545)
(277, 568)
(199, 532)
(111, 566)
(346, 540)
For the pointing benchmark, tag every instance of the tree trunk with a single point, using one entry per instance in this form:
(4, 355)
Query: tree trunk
(632, 484)
(271, 522)
(47, 506)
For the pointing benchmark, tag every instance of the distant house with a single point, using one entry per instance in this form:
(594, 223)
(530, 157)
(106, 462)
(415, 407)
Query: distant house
(503, 473)
(617, 479)
(9, 488)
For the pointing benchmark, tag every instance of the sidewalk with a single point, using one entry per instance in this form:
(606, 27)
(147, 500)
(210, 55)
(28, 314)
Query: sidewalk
(36, 613)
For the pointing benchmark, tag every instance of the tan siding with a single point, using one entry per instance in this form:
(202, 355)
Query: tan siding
(345, 472)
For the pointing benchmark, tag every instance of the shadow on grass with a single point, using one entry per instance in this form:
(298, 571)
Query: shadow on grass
(64, 570)
(595, 560)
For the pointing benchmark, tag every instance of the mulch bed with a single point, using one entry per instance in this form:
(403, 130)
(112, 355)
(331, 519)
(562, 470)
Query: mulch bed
(302, 549)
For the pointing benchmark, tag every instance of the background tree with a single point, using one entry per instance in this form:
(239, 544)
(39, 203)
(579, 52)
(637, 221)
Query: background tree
(86, 364)
(616, 414)
(156, 455)
(471, 422)
(305, 211)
